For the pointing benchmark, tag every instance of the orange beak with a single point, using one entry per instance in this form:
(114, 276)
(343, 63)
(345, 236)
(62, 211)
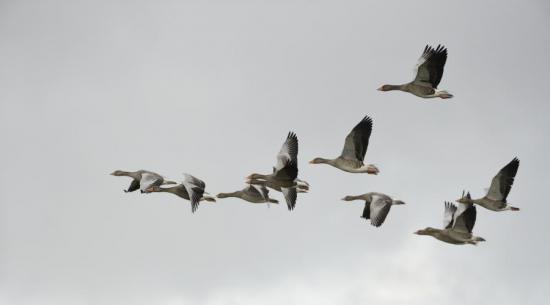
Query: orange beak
(380, 88)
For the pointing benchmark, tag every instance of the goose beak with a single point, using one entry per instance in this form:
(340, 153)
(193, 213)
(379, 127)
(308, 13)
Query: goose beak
(380, 88)
(311, 162)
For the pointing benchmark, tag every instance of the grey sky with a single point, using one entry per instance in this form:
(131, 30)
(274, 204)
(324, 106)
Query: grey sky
(212, 88)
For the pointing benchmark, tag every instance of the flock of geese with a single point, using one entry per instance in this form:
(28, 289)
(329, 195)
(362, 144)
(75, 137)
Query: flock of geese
(458, 220)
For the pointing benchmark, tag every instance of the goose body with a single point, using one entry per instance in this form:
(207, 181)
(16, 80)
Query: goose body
(191, 189)
(353, 154)
(142, 180)
(458, 224)
(284, 173)
(429, 72)
(377, 206)
(251, 193)
(495, 199)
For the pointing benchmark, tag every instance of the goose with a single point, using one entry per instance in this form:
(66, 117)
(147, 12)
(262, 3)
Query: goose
(191, 189)
(285, 171)
(429, 71)
(142, 180)
(377, 206)
(458, 224)
(251, 193)
(355, 148)
(301, 185)
(495, 200)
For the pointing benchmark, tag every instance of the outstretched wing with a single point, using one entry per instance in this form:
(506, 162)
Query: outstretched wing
(290, 196)
(430, 66)
(134, 186)
(148, 180)
(448, 215)
(366, 211)
(464, 218)
(502, 182)
(357, 141)
(259, 191)
(287, 159)
(379, 209)
(195, 189)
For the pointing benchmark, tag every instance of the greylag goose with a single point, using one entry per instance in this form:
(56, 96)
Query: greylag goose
(301, 185)
(355, 148)
(142, 180)
(429, 71)
(191, 189)
(251, 193)
(377, 206)
(458, 225)
(285, 171)
(495, 200)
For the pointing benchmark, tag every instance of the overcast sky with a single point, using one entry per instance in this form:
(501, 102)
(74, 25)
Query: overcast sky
(212, 89)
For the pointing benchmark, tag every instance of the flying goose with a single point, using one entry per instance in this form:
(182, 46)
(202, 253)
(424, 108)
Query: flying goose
(458, 224)
(251, 193)
(285, 171)
(377, 206)
(142, 180)
(301, 185)
(355, 148)
(429, 71)
(191, 189)
(495, 200)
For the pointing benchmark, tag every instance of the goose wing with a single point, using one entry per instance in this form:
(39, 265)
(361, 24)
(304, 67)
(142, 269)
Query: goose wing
(448, 215)
(290, 194)
(149, 179)
(430, 66)
(464, 218)
(195, 189)
(502, 182)
(366, 210)
(134, 186)
(357, 141)
(287, 159)
(379, 209)
(259, 191)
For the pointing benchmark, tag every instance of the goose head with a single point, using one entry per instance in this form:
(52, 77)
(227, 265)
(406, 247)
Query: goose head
(388, 88)
(397, 202)
(426, 231)
(349, 198)
(117, 173)
(318, 161)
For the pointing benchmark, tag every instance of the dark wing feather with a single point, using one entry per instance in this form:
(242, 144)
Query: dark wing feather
(287, 159)
(366, 211)
(288, 173)
(290, 197)
(134, 186)
(470, 217)
(432, 64)
(502, 182)
(357, 141)
(465, 218)
(195, 197)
